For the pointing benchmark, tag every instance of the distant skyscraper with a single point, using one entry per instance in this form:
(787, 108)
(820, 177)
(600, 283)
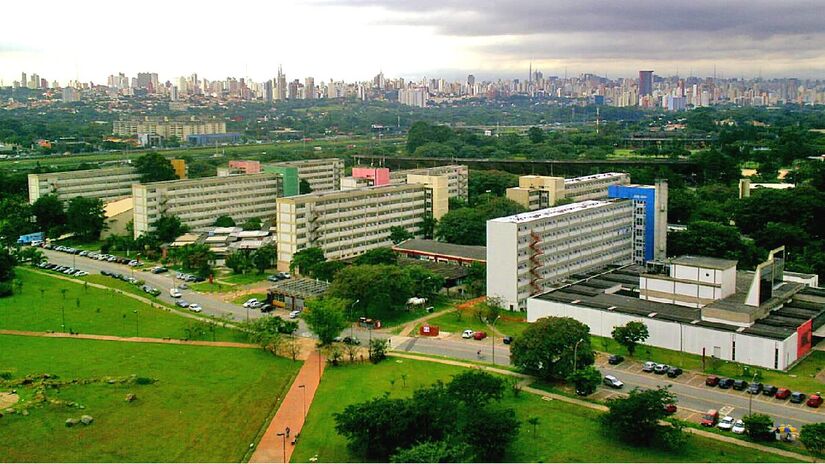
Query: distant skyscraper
(471, 81)
(293, 89)
(268, 90)
(280, 93)
(645, 83)
(309, 88)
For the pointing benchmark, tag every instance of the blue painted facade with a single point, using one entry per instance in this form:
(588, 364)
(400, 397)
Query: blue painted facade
(647, 194)
(33, 237)
(208, 139)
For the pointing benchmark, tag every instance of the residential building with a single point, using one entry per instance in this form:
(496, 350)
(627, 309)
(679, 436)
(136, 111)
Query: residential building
(441, 252)
(180, 167)
(649, 218)
(457, 178)
(118, 215)
(348, 223)
(322, 174)
(166, 127)
(106, 184)
(413, 97)
(698, 305)
(534, 250)
(539, 192)
(645, 83)
(291, 182)
(199, 202)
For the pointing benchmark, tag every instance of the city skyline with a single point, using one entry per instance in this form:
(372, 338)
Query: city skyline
(355, 39)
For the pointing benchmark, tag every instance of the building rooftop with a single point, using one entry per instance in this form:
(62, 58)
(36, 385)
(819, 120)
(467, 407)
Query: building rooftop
(554, 211)
(477, 253)
(300, 287)
(113, 208)
(603, 175)
(704, 261)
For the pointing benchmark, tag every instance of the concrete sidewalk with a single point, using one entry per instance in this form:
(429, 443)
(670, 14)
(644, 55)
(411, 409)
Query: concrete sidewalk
(291, 413)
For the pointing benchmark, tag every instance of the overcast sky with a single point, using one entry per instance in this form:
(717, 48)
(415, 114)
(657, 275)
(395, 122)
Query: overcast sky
(354, 39)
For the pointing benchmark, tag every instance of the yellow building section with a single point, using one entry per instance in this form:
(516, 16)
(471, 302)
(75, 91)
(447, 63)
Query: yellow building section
(180, 168)
(440, 192)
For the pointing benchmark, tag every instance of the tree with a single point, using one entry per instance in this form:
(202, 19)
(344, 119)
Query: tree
(381, 255)
(535, 134)
(438, 451)
(239, 261)
(49, 215)
(489, 181)
(378, 350)
(476, 280)
(635, 419)
(813, 437)
(252, 224)
(15, 219)
(85, 217)
(547, 347)
(377, 428)
(468, 226)
(398, 234)
(305, 260)
(630, 335)
(327, 270)
(197, 257)
(264, 258)
(424, 282)
(30, 255)
(304, 187)
(326, 317)
(154, 167)
(268, 332)
(168, 228)
(534, 421)
(380, 288)
(585, 380)
(759, 427)
(7, 263)
(224, 221)
(475, 388)
(489, 431)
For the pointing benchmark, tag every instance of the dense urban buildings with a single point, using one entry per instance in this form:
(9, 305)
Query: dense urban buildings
(106, 184)
(199, 202)
(167, 128)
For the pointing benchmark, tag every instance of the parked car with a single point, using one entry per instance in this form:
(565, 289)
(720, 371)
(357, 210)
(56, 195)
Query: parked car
(266, 308)
(670, 408)
(250, 302)
(726, 423)
(710, 418)
(273, 278)
(797, 397)
(133, 262)
(740, 385)
(738, 426)
(769, 390)
(294, 314)
(648, 366)
(182, 303)
(256, 305)
(755, 388)
(725, 383)
(814, 400)
(352, 341)
(467, 334)
(507, 340)
(183, 286)
(782, 393)
(284, 275)
(660, 369)
(159, 270)
(612, 382)
(674, 372)
(194, 307)
(480, 335)
(175, 293)
(615, 359)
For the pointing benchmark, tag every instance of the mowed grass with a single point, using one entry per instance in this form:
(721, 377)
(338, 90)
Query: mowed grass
(207, 405)
(457, 322)
(564, 434)
(45, 299)
(801, 377)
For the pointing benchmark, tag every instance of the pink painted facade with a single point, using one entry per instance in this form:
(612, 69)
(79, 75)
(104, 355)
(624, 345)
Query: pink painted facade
(248, 167)
(378, 176)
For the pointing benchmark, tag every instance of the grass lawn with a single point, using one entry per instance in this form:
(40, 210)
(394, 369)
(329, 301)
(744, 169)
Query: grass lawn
(512, 323)
(457, 321)
(207, 405)
(244, 279)
(801, 377)
(90, 310)
(118, 284)
(216, 287)
(565, 433)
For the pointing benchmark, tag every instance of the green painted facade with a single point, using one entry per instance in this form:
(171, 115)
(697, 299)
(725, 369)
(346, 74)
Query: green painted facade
(290, 175)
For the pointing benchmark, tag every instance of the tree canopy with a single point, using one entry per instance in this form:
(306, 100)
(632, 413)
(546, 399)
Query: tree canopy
(154, 167)
(547, 347)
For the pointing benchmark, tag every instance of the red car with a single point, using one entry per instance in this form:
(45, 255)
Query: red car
(712, 381)
(670, 408)
(814, 401)
(480, 335)
(782, 393)
(710, 418)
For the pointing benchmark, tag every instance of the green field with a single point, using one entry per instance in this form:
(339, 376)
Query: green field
(800, 378)
(207, 404)
(42, 305)
(244, 279)
(457, 321)
(565, 433)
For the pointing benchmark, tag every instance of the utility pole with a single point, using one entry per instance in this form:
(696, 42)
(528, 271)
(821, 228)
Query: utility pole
(575, 352)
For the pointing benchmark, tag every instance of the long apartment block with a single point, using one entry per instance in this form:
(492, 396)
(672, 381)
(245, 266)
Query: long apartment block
(199, 202)
(534, 250)
(348, 223)
(106, 184)
(322, 174)
(457, 178)
(166, 127)
(539, 192)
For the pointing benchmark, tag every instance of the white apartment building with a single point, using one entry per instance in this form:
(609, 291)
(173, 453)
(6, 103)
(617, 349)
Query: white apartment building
(538, 192)
(457, 178)
(165, 127)
(323, 174)
(107, 184)
(534, 250)
(350, 222)
(199, 202)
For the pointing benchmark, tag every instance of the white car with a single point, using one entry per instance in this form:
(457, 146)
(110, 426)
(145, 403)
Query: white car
(175, 293)
(196, 308)
(294, 314)
(612, 382)
(250, 302)
(738, 426)
(467, 334)
(726, 423)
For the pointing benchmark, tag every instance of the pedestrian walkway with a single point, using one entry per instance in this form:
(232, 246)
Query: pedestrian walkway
(291, 413)
(112, 338)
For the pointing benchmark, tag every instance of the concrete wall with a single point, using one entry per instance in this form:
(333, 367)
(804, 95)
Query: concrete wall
(502, 253)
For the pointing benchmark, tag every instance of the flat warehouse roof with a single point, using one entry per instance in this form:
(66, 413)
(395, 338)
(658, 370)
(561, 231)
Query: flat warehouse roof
(555, 211)
(478, 253)
(704, 261)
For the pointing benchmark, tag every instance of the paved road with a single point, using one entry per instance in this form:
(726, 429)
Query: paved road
(691, 392)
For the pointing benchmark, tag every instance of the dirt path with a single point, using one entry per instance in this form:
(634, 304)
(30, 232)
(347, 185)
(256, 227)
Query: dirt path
(291, 413)
(112, 338)
(410, 326)
(599, 407)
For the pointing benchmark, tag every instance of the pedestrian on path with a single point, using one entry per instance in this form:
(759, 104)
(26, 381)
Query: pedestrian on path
(287, 431)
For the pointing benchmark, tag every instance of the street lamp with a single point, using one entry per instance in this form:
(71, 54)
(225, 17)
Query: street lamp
(750, 400)
(493, 337)
(575, 352)
(304, 389)
(283, 436)
(351, 311)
